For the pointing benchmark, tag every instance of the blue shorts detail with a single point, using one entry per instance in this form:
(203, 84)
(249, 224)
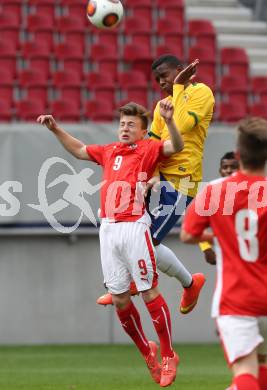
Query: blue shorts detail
(168, 211)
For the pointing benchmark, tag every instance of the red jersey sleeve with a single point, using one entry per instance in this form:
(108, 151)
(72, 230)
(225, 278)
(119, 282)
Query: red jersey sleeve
(195, 221)
(96, 153)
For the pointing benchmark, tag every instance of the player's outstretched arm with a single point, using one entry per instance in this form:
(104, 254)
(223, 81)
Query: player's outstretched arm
(185, 76)
(176, 143)
(71, 144)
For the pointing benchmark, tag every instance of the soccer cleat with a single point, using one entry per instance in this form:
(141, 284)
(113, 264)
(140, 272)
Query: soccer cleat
(191, 294)
(168, 371)
(152, 362)
(106, 299)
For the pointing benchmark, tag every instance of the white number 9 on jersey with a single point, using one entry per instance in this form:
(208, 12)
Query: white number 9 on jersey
(117, 163)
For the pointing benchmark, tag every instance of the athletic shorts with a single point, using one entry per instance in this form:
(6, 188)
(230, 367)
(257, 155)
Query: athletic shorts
(168, 211)
(127, 253)
(240, 335)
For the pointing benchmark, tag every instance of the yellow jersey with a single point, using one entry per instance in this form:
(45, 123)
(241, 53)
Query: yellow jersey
(193, 109)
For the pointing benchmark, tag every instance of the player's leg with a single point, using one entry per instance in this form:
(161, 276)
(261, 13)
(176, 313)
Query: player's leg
(241, 337)
(173, 205)
(143, 270)
(117, 279)
(262, 354)
(128, 234)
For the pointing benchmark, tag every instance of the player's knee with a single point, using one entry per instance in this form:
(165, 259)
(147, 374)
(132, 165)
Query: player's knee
(121, 301)
(150, 294)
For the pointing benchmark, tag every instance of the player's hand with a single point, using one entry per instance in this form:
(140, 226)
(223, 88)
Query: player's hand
(210, 256)
(166, 109)
(48, 121)
(152, 184)
(187, 74)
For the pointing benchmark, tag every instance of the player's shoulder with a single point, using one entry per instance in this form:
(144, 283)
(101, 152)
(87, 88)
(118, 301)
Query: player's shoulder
(201, 88)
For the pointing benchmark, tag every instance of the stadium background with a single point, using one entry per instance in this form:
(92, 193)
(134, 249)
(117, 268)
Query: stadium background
(51, 60)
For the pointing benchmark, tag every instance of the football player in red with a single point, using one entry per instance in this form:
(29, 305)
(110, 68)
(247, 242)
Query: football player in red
(235, 208)
(126, 246)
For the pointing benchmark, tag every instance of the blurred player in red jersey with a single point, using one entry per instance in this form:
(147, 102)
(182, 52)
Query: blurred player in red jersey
(127, 251)
(193, 107)
(228, 165)
(236, 209)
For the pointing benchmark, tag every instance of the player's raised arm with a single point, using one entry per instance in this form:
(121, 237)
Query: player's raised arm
(176, 143)
(70, 143)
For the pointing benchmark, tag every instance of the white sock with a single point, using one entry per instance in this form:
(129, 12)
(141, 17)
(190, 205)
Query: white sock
(170, 265)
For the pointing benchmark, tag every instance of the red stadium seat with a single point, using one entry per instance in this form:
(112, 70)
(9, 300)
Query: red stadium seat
(8, 63)
(9, 20)
(172, 9)
(258, 109)
(233, 87)
(8, 49)
(107, 66)
(65, 110)
(207, 58)
(132, 80)
(72, 23)
(39, 22)
(41, 2)
(6, 93)
(40, 64)
(71, 2)
(138, 3)
(140, 25)
(37, 93)
(206, 78)
(142, 12)
(170, 49)
(165, 26)
(66, 78)
(201, 32)
(99, 111)
(108, 38)
(41, 8)
(136, 95)
(104, 94)
(29, 110)
(100, 52)
(72, 93)
(69, 50)
(32, 49)
(75, 9)
(11, 35)
(5, 111)
(32, 77)
(6, 77)
(231, 112)
(259, 87)
(99, 80)
(234, 60)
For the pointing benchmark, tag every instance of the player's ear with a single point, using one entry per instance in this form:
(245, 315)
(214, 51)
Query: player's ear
(237, 155)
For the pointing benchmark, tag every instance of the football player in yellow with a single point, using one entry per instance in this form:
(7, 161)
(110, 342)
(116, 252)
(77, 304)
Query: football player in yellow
(179, 175)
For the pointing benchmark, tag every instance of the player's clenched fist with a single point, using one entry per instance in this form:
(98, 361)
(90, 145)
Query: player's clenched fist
(166, 109)
(48, 121)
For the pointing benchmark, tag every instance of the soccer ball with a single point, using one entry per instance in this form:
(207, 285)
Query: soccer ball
(104, 13)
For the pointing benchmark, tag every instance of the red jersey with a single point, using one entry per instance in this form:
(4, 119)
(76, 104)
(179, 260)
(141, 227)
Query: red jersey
(125, 168)
(236, 209)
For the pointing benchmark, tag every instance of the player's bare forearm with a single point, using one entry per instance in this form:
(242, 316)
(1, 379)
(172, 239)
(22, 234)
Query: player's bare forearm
(70, 143)
(176, 142)
(190, 239)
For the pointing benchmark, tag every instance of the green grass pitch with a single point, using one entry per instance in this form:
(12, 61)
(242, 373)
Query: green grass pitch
(100, 367)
